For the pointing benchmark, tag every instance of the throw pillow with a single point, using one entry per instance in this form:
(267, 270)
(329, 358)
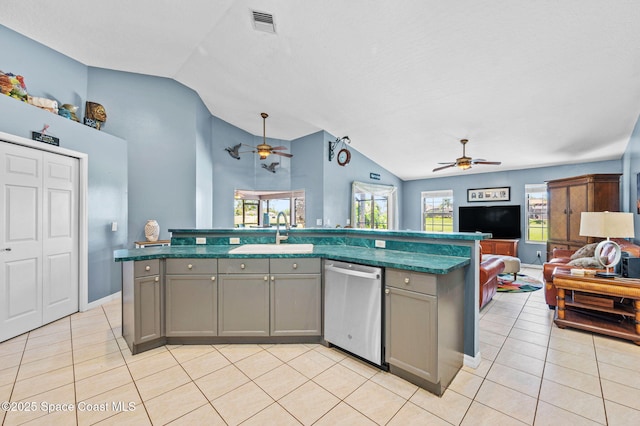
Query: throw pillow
(585, 262)
(586, 251)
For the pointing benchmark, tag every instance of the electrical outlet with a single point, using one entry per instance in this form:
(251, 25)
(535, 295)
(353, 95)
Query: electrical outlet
(201, 240)
(234, 240)
(381, 243)
(539, 253)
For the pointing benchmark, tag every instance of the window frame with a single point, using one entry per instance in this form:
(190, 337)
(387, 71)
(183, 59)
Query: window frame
(538, 188)
(444, 194)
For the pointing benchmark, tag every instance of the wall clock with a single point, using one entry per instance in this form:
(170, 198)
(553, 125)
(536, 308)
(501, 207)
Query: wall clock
(344, 156)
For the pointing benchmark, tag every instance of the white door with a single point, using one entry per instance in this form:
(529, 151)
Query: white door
(60, 237)
(38, 238)
(21, 239)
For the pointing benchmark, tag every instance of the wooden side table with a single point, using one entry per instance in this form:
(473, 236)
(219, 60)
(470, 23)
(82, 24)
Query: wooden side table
(609, 306)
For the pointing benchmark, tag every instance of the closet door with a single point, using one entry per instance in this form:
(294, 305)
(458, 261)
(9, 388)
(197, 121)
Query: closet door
(20, 239)
(60, 236)
(38, 238)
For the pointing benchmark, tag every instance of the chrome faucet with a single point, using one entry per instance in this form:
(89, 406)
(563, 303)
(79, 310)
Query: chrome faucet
(286, 224)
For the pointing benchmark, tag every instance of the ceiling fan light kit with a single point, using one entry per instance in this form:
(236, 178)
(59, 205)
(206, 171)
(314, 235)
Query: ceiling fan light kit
(263, 150)
(464, 162)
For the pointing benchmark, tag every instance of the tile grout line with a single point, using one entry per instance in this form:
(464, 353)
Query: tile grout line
(127, 366)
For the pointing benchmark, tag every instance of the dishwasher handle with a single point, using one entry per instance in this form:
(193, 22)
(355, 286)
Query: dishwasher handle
(368, 275)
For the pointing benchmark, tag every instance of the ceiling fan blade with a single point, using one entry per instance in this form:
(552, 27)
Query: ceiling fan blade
(478, 160)
(488, 162)
(444, 167)
(283, 154)
(280, 148)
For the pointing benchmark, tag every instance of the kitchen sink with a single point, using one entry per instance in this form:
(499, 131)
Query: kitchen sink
(272, 249)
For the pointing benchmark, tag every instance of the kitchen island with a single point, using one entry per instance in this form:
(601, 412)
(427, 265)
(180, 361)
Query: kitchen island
(209, 293)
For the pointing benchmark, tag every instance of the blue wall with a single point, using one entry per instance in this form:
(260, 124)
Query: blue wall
(307, 173)
(47, 73)
(107, 192)
(204, 168)
(157, 117)
(230, 174)
(337, 182)
(516, 179)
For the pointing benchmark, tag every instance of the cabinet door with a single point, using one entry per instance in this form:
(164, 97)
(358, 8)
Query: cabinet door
(296, 305)
(487, 247)
(243, 305)
(577, 204)
(191, 305)
(506, 248)
(411, 332)
(558, 217)
(147, 309)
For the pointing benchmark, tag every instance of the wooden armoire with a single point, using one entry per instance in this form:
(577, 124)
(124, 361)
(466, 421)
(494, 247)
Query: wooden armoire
(568, 197)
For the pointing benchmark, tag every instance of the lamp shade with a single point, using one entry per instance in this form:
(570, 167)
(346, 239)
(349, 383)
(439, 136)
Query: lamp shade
(606, 224)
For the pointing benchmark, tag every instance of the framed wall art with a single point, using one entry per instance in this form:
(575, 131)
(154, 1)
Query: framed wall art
(489, 194)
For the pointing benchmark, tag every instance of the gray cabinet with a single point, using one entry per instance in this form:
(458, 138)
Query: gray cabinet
(141, 303)
(296, 297)
(243, 297)
(424, 326)
(191, 298)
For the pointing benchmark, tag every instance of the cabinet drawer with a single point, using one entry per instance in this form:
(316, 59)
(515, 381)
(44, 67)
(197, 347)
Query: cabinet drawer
(192, 266)
(413, 281)
(144, 268)
(295, 266)
(243, 266)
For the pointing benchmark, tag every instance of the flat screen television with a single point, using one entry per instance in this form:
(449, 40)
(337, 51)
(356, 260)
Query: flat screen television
(501, 221)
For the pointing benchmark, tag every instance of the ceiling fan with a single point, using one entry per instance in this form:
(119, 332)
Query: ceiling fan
(464, 162)
(263, 150)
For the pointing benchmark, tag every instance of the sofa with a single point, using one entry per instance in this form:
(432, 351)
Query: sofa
(489, 270)
(581, 260)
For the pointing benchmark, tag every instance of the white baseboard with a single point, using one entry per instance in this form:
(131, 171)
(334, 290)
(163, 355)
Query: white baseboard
(102, 301)
(531, 265)
(472, 362)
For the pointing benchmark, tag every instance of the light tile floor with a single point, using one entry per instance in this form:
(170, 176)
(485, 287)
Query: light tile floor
(532, 373)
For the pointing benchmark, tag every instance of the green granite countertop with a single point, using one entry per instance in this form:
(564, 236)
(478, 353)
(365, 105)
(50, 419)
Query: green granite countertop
(356, 232)
(419, 262)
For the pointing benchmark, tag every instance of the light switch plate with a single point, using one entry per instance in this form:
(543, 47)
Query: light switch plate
(318, 222)
(381, 243)
(201, 240)
(234, 240)
(114, 226)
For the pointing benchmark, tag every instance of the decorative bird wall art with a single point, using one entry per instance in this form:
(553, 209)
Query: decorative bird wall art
(271, 167)
(234, 151)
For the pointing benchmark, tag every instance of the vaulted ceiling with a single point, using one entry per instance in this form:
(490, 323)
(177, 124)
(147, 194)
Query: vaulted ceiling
(529, 83)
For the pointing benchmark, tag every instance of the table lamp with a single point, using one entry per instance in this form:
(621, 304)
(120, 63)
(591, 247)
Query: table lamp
(607, 225)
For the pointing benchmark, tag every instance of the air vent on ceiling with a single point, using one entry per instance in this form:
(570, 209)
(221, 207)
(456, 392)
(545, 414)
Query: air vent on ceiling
(263, 21)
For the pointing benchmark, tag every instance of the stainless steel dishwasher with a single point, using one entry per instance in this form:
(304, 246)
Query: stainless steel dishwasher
(353, 308)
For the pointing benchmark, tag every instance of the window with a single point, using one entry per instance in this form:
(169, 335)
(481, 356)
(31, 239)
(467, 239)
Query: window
(437, 211)
(252, 208)
(374, 206)
(536, 208)
(246, 213)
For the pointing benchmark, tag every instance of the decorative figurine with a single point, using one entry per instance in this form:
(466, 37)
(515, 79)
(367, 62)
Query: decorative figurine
(68, 111)
(13, 85)
(95, 115)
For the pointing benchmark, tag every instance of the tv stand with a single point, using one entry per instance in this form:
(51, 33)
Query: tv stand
(504, 247)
